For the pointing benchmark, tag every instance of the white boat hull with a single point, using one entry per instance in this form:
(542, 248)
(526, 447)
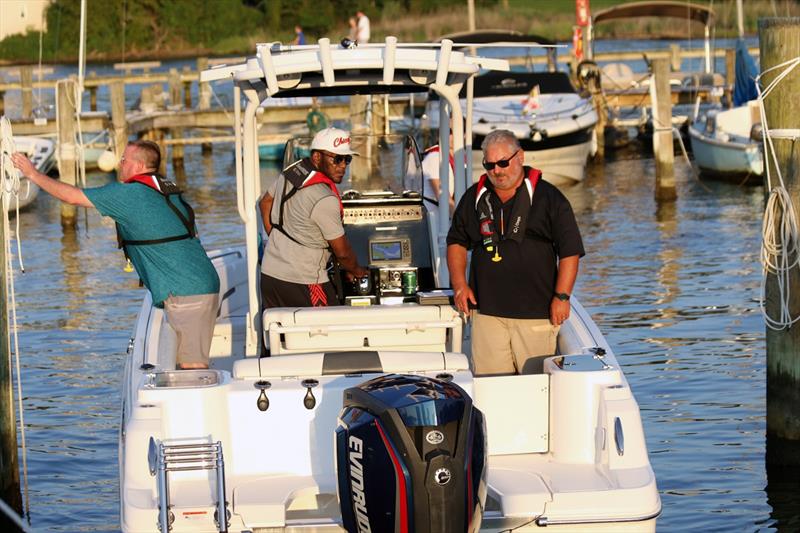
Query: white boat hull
(41, 152)
(564, 446)
(726, 158)
(561, 166)
(546, 465)
(722, 143)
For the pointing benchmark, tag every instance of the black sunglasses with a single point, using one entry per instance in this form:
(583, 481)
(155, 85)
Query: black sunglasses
(503, 163)
(338, 159)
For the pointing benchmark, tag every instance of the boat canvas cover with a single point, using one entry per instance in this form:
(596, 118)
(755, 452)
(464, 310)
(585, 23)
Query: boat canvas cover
(682, 10)
(512, 83)
(517, 83)
(744, 88)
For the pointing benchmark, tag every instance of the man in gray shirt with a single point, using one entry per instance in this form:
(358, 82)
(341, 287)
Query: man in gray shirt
(302, 213)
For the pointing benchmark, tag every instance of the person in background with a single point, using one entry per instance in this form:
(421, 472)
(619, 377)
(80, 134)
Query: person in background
(525, 247)
(431, 160)
(299, 36)
(302, 213)
(352, 32)
(362, 22)
(156, 229)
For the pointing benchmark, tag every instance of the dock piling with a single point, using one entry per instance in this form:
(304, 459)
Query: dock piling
(9, 466)
(65, 93)
(187, 88)
(92, 92)
(26, 82)
(675, 57)
(730, 74)
(779, 43)
(663, 150)
(118, 122)
(203, 96)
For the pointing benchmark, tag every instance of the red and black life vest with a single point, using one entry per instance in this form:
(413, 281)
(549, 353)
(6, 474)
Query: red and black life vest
(166, 188)
(489, 231)
(299, 175)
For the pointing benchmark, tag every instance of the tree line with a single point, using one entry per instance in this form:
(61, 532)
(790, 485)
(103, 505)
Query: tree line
(145, 28)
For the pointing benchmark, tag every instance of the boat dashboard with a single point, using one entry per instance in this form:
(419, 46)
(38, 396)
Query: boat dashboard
(384, 218)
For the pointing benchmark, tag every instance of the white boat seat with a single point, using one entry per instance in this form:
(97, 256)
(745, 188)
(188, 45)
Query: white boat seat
(408, 327)
(349, 362)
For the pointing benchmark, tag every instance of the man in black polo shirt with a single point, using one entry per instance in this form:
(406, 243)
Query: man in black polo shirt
(525, 247)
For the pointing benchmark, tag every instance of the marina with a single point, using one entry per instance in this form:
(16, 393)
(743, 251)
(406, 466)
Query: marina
(651, 416)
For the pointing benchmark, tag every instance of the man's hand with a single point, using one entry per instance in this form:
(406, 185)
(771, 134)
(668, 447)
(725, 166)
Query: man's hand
(356, 273)
(559, 311)
(463, 296)
(23, 164)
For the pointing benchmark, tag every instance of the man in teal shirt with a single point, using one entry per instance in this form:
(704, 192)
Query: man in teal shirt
(159, 240)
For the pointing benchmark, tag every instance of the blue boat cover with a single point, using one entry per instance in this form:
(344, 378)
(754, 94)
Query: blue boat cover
(746, 72)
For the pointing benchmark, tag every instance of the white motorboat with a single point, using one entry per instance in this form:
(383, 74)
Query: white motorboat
(366, 417)
(553, 122)
(41, 152)
(725, 144)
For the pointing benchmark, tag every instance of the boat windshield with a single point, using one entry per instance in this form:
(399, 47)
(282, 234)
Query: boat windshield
(387, 164)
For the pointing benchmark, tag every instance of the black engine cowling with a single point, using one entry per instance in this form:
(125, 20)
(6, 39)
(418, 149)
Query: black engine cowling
(410, 457)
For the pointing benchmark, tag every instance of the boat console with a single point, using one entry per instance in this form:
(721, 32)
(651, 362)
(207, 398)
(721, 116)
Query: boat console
(384, 219)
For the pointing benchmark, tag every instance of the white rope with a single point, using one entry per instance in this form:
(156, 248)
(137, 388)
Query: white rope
(9, 174)
(780, 244)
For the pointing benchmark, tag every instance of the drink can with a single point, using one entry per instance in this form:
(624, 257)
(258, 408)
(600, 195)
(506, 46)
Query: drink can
(409, 282)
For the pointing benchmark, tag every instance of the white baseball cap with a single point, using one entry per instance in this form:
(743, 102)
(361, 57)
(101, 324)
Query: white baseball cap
(333, 140)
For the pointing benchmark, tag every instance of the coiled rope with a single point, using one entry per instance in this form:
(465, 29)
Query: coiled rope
(11, 183)
(780, 246)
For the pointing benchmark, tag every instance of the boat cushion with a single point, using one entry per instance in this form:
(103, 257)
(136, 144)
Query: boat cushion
(348, 362)
(407, 327)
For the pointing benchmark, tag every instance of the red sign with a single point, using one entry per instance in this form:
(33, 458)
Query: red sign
(582, 12)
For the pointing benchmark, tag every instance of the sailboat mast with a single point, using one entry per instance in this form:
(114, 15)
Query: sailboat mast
(740, 18)
(82, 49)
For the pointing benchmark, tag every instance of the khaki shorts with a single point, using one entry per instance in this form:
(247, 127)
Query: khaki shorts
(192, 318)
(511, 345)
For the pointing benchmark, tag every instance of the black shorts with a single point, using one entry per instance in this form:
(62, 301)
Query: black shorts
(279, 293)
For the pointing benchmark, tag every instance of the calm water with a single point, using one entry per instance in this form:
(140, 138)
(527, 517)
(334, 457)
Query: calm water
(674, 287)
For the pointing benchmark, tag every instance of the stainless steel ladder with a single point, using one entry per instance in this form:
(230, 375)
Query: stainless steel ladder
(164, 458)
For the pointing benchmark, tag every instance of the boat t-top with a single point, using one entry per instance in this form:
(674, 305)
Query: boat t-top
(366, 416)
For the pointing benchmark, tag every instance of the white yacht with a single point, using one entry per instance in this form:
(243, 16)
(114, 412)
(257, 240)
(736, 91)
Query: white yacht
(366, 416)
(553, 122)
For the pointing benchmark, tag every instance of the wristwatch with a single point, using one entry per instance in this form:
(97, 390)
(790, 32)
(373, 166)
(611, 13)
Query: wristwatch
(563, 296)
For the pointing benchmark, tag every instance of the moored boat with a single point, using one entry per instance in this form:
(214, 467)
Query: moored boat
(725, 144)
(552, 121)
(41, 152)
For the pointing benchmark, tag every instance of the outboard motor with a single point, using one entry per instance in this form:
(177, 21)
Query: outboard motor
(411, 457)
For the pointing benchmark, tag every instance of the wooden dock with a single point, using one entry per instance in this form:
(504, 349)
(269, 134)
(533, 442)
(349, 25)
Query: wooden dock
(172, 118)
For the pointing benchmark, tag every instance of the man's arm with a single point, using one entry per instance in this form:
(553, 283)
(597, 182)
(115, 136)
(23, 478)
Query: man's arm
(63, 191)
(347, 257)
(457, 266)
(565, 282)
(265, 205)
